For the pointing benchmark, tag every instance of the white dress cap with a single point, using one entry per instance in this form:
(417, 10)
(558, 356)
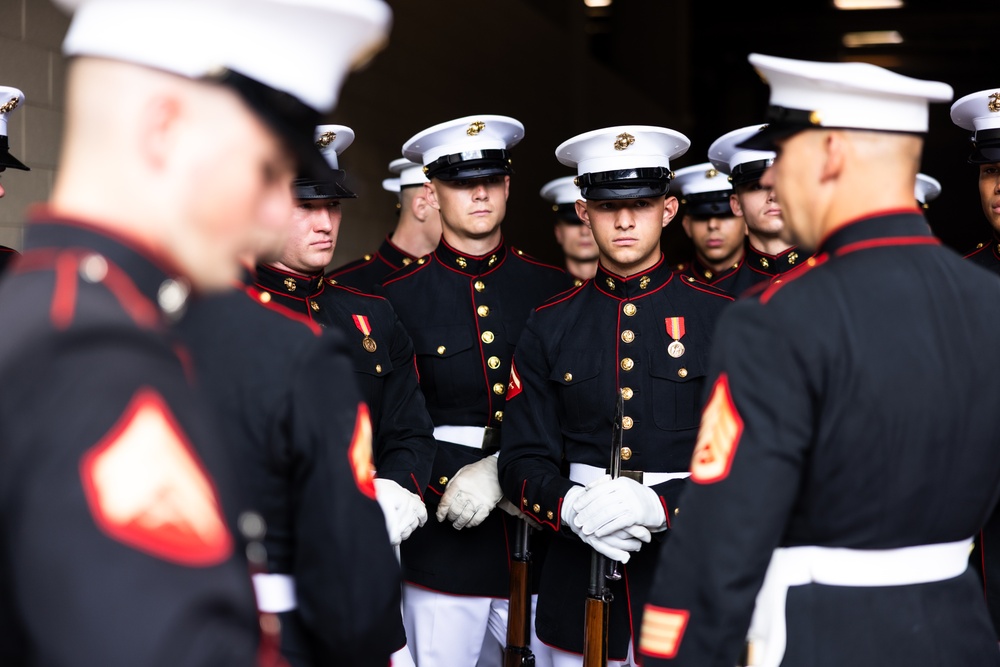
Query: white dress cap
(978, 111)
(980, 114)
(333, 140)
(927, 189)
(623, 162)
(850, 95)
(466, 148)
(563, 190)
(741, 164)
(409, 172)
(302, 47)
(622, 147)
(700, 178)
(10, 99)
(704, 191)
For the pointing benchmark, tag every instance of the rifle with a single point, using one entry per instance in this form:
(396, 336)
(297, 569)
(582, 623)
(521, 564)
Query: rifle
(602, 569)
(517, 652)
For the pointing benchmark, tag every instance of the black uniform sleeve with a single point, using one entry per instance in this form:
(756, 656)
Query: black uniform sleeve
(531, 440)
(405, 447)
(347, 576)
(116, 540)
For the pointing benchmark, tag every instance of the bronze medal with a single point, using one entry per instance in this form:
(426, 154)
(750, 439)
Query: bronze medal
(369, 344)
(675, 349)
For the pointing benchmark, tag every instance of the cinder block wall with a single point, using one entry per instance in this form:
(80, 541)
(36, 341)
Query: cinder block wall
(31, 33)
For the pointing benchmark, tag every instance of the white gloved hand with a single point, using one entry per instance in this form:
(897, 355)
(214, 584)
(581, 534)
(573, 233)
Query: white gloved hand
(617, 504)
(471, 494)
(618, 544)
(615, 545)
(404, 511)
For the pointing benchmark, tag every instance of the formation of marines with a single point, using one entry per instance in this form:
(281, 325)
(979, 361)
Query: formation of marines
(786, 441)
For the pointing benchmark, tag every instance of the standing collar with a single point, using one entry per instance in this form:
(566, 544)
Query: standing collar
(708, 275)
(472, 265)
(773, 264)
(393, 255)
(637, 285)
(288, 283)
(157, 283)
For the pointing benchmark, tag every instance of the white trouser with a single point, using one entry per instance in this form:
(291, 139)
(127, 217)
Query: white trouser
(445, 630)
(796, 566)
(459, 630)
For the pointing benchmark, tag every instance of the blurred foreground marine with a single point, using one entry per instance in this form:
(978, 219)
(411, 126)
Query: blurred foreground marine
(301, 439)
(118, 535)
(844, 498)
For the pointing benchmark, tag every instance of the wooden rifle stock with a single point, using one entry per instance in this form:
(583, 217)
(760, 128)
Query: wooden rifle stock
(517, 652)
(595, 624)
(602, 568)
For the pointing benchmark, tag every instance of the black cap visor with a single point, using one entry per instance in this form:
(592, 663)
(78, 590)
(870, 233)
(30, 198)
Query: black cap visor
(782, 122)
(648, 182)
(291, 119)
(749, 172)
(985, 147)
(566, 213)
(8, 161)
(708, 204)
(331, 187)
(470, 165)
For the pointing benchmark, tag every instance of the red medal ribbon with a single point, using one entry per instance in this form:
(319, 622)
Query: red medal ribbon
(361, 322)
(675, 327)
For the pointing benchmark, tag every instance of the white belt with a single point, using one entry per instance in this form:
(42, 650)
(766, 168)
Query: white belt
(275, 592)
(585, 474)
(467, 436)
(795, 566)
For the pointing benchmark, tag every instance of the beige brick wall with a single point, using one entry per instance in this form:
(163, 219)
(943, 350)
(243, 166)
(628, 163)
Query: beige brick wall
(31, 32)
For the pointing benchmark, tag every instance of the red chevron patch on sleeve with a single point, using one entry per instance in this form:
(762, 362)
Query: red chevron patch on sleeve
(514, 386)
(147, 488)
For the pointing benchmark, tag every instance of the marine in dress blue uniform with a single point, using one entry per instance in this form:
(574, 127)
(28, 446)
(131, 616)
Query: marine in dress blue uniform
(574, 237)
(704, 194)
(464, 307)
(10, 98)
(379, 350)
(416, 234)
(645, 334)
(768, 252)
(843, 498)
(302, 447)
(118, 495)
(979, 113)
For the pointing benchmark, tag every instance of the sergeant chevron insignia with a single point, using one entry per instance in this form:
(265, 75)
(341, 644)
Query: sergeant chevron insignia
(147, 489)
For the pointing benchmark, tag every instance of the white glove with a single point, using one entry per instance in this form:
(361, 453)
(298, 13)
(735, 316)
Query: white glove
(616, 504)
(404, 511)
(615, 545)
(471, 494)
